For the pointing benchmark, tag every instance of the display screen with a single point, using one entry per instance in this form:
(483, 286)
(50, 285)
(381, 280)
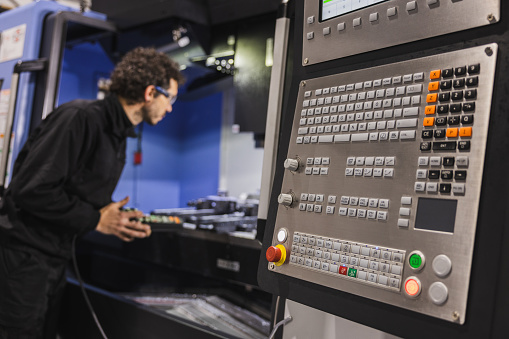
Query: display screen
(334, 8)
(436, 214)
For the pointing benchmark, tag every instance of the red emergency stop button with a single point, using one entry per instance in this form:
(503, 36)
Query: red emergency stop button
(412, 287)
(276, 254)
(273, 254)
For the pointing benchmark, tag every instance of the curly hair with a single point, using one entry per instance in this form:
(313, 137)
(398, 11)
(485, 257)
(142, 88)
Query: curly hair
(140, 68)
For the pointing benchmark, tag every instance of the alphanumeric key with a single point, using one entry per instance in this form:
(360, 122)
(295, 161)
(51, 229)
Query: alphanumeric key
(458, 95)
(439, 133)
(447, 73)
(471, 94)
(445, 85)
(467, 119)
(469, 107)
(474, 69)
(444, 96)
(460, 175)
(453, 120)
(441, 121)
(426, 146)
(471, 82)
(448, 161)
(459, 83)
(455, 108)
(434, 174)
(446, 175)
(464, 145)
(443, 109)
(459, 71)
(445, 188)
(427, 134)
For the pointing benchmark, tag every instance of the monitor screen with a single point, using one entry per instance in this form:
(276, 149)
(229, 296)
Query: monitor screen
(334, 8)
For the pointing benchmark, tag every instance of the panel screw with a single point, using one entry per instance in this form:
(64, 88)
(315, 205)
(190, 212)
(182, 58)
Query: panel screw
(455, 315)
(272, 266)
(488, 51)
(491, 18)
(306, 61)
(303, 84)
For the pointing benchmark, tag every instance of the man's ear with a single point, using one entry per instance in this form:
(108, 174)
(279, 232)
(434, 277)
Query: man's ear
(149, 93)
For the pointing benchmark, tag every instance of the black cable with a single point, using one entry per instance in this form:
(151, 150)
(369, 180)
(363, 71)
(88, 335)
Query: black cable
(85, 295)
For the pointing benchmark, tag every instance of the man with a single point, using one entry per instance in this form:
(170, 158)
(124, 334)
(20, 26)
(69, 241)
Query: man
(62, 184)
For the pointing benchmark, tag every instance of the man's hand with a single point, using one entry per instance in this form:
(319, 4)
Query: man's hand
(122, 223)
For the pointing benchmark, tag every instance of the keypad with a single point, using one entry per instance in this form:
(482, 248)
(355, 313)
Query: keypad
(364, 263)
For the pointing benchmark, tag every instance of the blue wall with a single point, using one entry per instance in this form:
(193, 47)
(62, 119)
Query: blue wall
(180, 154)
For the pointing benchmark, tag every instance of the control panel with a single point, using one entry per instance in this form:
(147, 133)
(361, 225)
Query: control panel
(338, 28)
(382, 180)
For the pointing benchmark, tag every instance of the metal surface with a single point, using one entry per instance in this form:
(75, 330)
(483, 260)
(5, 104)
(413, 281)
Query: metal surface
(458, 245)
(446, 16)
(274, 113)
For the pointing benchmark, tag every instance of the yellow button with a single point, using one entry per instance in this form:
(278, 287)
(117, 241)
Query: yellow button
(432, 97)
(465, 131)
(435, 74)
(452, 133)
(429, 121)
(433, 86)
(430, 109)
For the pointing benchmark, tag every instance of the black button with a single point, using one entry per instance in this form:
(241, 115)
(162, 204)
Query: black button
(446, 175)
(444, 146)
(457, 95)
(471, 82)
(462, 146)
(444, 96)
(448, 161)
(469, 107)
(467, 119)
(440, 133)
(459, 83)
(474, 69)
(459, 71)
(426, 146)
(442, 109)
(440, 121)
(434, 174)
(427, 134)
(453, 120)
(456, 108)
(446, 84)
(445, 188)
(460, 175)
(471, 94)
(447, 73)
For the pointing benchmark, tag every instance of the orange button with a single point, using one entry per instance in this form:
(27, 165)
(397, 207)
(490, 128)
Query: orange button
(433, 86)
(412, 287)
(273, 254)
(465, 131)
(435, 74)
(430, 109)
(432, 97)
(452, 133)
(429, 121)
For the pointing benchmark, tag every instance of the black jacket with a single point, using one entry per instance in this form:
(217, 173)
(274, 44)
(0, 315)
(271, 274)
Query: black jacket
(65, 173)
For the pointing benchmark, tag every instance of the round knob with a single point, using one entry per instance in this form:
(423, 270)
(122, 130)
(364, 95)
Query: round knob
(273, 254)
(285, 199)
(442, 265)
(291, 164)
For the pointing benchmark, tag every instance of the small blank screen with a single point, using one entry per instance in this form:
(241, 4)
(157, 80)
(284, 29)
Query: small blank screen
(436, 214)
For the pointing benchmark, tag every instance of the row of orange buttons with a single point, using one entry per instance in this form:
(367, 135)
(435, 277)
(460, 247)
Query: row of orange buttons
(451, 132)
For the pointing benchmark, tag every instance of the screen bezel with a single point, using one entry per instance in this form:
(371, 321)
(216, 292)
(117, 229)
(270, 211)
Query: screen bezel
(337, 16)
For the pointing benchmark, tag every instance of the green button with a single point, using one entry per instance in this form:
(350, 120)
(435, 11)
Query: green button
(352, 272)
(415, 260)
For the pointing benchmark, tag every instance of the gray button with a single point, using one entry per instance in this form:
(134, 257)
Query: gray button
(438, 293)
(411, 6)
(403, 223)
(310, 35)
(392, 11)
(406, 200)
(311, 19)
(341, 26)
(357, 22)
(373, 17)
(326, 31)
(442, 265)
